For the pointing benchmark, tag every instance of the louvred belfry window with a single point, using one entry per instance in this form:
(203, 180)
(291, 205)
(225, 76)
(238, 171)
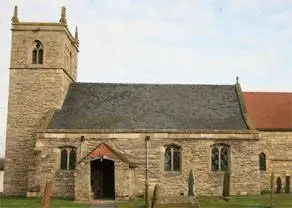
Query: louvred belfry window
(38, 53)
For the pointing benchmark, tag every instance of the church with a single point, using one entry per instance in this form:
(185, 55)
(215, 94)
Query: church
(107, 140)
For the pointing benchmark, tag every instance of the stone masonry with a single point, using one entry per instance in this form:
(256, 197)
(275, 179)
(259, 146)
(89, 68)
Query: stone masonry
(33, 150)
(195, 155)
(277, 146)
(34, 89)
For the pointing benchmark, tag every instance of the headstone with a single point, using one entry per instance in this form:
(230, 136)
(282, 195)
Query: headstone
(226, 184)
(155, 197)
(279, 185)
(47, 194)
(287, 187)
(272, 189)
(191, 184)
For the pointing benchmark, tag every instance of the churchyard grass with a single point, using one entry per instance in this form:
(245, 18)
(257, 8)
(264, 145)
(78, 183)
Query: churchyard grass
(260, 201)
(22, 202)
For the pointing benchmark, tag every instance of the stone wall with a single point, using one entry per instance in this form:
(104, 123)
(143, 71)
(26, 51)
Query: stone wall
(195, 155)
(34, 89)
(64, 182)
(1, 180)
(277, 147)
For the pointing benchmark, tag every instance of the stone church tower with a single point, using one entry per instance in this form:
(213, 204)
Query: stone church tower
(43, 64)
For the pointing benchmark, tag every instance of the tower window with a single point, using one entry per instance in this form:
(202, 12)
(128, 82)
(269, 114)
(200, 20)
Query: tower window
(38, 53)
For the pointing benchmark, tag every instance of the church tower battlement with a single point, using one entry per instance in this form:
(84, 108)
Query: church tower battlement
(43, 64)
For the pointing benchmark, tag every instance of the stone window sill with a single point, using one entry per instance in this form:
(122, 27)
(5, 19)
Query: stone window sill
(172, 173)
(216, 173)
(36, 65)
(64, 172)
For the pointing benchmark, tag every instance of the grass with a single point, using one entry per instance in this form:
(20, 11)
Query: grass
(11, 202)
(259, 201)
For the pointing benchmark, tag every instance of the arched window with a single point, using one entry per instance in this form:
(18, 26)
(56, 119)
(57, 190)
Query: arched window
(64, 159)
(68, 158)
(220, 157)
(172, 158)
(215, 159)
(38, 53)
(72, 159)
(262, 161)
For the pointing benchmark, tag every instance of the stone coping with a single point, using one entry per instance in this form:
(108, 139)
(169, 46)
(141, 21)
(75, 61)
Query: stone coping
(18, 27)
(243, 109)
(170, 131)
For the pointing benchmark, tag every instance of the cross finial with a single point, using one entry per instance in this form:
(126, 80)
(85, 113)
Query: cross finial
(76, 35)
(14, 18)
(63, 19)
(237, 80)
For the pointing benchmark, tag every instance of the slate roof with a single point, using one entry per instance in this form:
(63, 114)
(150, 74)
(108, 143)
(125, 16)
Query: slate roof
(149, 106)
(269, 110)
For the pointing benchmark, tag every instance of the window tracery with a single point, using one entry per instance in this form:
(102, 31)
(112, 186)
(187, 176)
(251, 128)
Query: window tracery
(68, 158)
(38, 53)
(220, 157)
(172, 158)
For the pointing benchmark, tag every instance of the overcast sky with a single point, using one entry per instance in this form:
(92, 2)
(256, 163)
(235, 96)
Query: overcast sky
(167, 41)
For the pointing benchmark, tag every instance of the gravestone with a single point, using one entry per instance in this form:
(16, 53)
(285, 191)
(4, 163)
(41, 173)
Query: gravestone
(226, 184)
(279, 185)
(47, 194)
(191, 184)
(155, 196)
(287, 187)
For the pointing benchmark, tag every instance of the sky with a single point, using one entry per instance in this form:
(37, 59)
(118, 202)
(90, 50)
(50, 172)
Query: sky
(166, 41)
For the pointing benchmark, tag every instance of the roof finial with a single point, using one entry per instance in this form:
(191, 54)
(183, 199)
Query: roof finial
(237, 80)
(14, 18)
(63, 19)
(76, 35)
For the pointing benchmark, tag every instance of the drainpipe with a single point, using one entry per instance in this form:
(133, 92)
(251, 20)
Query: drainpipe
(147, 138)
(82, 139)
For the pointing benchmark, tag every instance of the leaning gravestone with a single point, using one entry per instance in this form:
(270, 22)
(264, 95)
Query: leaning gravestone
(156, 193)
(47, 195)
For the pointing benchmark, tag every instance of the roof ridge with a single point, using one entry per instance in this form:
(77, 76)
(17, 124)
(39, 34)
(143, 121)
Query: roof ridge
(142, 83)
(263, 92)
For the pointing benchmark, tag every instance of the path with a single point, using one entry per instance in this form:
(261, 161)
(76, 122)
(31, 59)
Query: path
(104, 204)
(112, 205)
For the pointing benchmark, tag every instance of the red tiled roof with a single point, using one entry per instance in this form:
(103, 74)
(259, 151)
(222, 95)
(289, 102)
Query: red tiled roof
(101, 150)
(269, 110)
